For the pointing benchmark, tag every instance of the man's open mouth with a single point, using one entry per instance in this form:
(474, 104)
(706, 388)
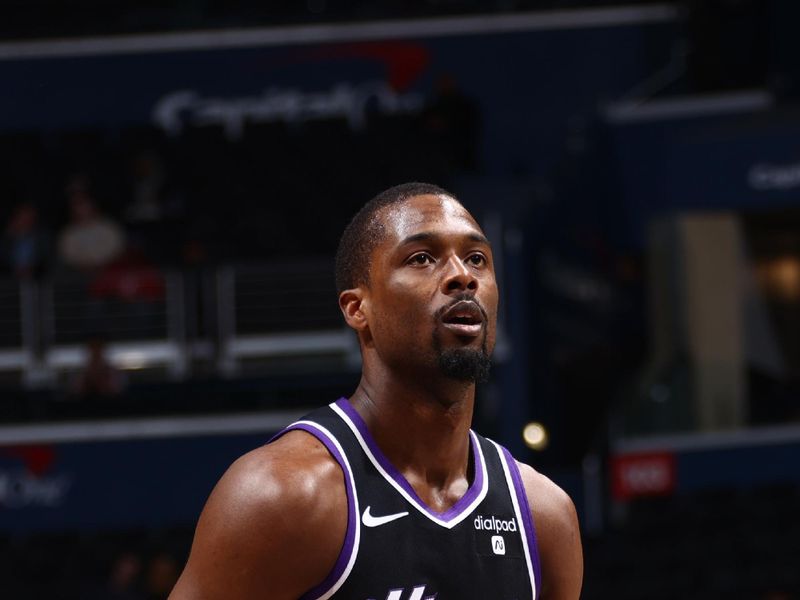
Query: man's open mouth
(464, 318)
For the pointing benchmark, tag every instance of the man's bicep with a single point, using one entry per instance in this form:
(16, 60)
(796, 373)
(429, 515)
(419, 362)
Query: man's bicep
(260, 536)
(562, 561)
(234, 552)
(558, 536)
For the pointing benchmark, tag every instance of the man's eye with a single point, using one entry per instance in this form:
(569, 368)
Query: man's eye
(477, 260)
(420, 259)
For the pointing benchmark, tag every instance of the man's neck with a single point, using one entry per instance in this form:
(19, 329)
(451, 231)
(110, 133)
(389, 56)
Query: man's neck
(422, 426)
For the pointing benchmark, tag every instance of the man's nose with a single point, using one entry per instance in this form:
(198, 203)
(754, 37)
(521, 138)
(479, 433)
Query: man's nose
(459, 277)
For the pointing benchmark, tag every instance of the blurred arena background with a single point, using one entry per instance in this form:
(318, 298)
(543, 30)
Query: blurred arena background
(175, 176)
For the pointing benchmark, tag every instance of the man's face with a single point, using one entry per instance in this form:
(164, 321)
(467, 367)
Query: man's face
(432, 296)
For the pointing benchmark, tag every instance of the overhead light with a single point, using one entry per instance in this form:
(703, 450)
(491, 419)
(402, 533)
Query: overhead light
(535, 436)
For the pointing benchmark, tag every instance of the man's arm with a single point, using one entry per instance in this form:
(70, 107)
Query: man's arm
(272, 528)
(558, 536)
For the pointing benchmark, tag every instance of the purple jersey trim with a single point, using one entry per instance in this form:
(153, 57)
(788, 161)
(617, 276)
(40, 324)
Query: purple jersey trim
(352, 519)
(450, 514)
(527, 519)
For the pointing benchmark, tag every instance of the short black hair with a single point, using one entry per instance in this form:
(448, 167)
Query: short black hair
(365, 232)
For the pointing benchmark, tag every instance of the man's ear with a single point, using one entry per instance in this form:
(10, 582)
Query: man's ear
(353, 304)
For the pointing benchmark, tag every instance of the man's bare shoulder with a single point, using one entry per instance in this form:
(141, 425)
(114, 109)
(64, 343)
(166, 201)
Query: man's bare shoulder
(558, 535)
(293, 476)
(547, 500)
(295, 467)
(277, 518)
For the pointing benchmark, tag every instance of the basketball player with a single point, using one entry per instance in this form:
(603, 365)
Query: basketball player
(389, 495)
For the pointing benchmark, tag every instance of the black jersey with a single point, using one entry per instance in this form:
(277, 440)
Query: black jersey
(397, 548)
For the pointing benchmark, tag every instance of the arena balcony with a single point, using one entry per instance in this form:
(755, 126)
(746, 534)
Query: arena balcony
(173, 328)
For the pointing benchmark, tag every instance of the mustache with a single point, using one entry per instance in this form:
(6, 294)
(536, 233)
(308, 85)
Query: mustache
(462, 297)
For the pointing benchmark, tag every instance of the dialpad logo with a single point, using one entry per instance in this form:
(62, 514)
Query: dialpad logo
(496, 537)
(494, 524)
(498, 545)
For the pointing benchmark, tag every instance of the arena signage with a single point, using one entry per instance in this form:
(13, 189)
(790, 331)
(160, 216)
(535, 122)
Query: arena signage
(113, 484)
(345, 100)
(500, 72)
(709, 163)
(19, 489)
(646, 474)
(765, 176)
(691, 462)
(27, 478)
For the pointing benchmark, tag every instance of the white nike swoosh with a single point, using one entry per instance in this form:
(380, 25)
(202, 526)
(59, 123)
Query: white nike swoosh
(368, 520)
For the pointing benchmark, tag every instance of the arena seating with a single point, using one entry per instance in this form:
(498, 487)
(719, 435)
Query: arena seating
(723, 543)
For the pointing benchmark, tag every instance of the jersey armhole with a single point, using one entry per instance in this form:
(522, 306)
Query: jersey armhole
(527, 517)
(344, 562)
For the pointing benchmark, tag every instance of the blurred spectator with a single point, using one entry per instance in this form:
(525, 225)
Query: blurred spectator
(162, 574)
(147, 186)
(452, 124)
(100, 380)
(123, 580)
(25, 245)
(131, 278)
(155, 209)
(90, 240)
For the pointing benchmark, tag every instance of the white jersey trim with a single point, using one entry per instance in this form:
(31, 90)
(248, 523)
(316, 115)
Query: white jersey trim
(411, 500)
(523, 532)
(352, 484)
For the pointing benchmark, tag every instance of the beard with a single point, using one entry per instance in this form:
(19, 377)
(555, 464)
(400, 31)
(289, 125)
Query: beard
(465, 364)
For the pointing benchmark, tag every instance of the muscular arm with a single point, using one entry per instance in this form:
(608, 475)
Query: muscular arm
(272, 528)
(558, 536)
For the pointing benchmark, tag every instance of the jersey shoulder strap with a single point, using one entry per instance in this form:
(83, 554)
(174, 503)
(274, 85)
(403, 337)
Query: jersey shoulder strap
(326, 427)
